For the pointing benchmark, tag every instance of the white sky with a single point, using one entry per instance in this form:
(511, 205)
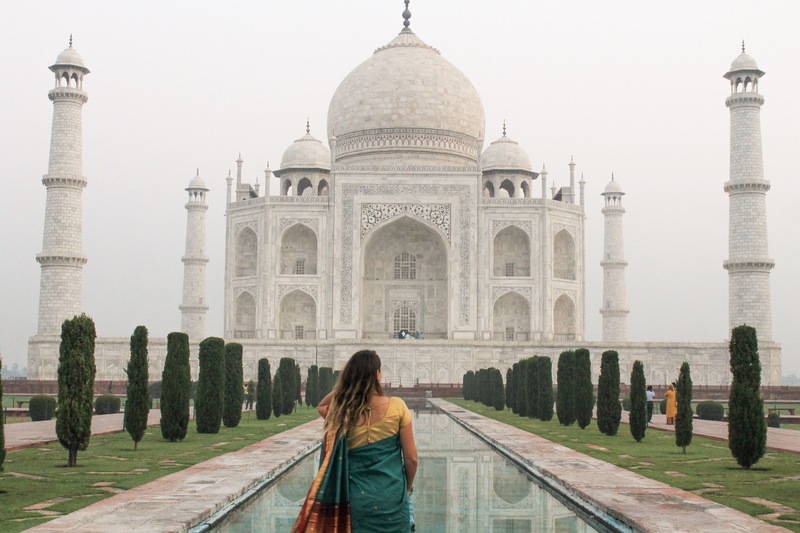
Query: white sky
(629, 87)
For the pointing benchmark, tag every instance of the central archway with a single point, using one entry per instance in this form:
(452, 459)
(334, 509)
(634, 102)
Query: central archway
(404, 275)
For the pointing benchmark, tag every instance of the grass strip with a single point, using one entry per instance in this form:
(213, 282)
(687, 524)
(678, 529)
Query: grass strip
(36, 486)
(769, 491)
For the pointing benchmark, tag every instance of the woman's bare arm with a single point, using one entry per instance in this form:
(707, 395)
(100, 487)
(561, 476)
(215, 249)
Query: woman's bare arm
(409, 454)
(324, 405)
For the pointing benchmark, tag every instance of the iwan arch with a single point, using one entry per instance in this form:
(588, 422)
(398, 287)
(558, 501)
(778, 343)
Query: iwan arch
(408, 219)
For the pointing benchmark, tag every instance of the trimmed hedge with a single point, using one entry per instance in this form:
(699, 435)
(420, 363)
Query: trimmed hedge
(107, 404)
(42, 407)
(710, 410)
(774, 420)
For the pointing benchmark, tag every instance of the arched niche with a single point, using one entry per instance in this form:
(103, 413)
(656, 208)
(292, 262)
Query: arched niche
(286, 187)
(299, 251)
(304, 187)
(512, 253)
(511, 318)
(564, 318)
(245, 317)
(322, 188)
(246, 253)
(488, 190)
(426, 292)
(525, 188)
(563, 255)
(298, 316)
(508, 187)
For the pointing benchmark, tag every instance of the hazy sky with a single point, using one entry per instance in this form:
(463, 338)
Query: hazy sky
(633, 88)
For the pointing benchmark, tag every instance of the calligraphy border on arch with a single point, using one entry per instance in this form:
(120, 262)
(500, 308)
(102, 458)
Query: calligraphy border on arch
(373, 215)
(350, 190)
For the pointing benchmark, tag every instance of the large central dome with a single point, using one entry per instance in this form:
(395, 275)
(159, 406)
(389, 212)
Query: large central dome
(406, 98)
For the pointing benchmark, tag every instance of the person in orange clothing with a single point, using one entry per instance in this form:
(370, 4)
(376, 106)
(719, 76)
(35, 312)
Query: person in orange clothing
(672, 405)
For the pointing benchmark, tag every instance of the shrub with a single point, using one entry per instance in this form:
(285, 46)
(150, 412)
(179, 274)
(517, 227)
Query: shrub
(76, 370)
(662, 406)
(710, 410)
(584, 389)
(747, 429)
(522, 402)
(509, 392)
(774, 420)
(496, 397)
(545, 395)
(234, 385)
(277, 396)
(327, 378)
(626, 403)
(609, 410)
(210, 385)
(312, 386)
(264, 390)
(176, 388)
(107, 404)
(42, 407)
(137, 403)
(286, 374)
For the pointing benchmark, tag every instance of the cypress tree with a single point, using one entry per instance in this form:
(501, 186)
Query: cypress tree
(496, 387)
(521, 386)
(609, 410)
(469, 385)
(250, 394)
(545, 389)
(234, 385)
(137, 403)
(683, 420)
(533, 387)
(286, 375)
(277, 395)
(638, 414)
(326, 381)
(2, 429)
(312, 386)
(747, 429)
(176, 388)
(264, 390)
(210, 385)
(76, 371)
(584, 389)
(510, 388)
(298, 385)
(565, 396)
(482, 393)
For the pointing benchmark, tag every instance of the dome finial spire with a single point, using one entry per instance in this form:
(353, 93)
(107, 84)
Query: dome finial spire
(742, 45)
(70, 40)
(406, 16)
(308, 126)
(504, 127)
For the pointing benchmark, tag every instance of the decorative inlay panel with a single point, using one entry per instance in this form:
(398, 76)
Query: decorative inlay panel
(406, 139)
(558, 227)
(411, 304)
(311, 290)
(374, 214)
(351, 190)
(252, 224)
(499, 225)
(525, 292)
(312, 223)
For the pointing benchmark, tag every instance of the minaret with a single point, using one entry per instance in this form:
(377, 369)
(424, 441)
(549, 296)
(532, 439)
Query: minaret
(62, 256)
(194, 307)
(748, 263)
(614, 310)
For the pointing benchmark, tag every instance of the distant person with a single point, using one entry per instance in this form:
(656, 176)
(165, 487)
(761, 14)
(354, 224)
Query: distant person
(672, 405)
(650, 398)
(369, 457)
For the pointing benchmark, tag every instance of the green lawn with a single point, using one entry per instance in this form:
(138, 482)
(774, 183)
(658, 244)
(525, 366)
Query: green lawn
(39, 476)
(771, 487)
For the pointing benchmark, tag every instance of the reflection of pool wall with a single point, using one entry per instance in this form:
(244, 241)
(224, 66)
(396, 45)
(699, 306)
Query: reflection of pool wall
(460, 481)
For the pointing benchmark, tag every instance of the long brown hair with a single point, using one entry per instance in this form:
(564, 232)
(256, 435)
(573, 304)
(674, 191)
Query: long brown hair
(357, 383)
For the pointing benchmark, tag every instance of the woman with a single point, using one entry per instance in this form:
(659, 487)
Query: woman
(369, 458)
(672, 405)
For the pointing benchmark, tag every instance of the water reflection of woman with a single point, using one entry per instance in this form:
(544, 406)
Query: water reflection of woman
(369, 457)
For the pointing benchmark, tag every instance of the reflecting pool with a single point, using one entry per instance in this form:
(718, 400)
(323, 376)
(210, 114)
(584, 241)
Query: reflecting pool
(462, 485)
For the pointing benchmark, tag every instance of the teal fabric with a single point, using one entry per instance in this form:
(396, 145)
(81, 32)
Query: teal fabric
(378, 488)
(334, 489)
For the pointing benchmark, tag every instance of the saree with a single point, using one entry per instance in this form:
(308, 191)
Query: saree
(358, 490)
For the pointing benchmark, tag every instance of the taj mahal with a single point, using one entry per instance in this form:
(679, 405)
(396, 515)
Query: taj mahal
(408, 227)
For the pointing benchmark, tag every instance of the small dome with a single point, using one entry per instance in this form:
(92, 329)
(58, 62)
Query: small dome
(306, 152)
(197, 183)
(613, 188)
(505, 154)
(744, 62)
